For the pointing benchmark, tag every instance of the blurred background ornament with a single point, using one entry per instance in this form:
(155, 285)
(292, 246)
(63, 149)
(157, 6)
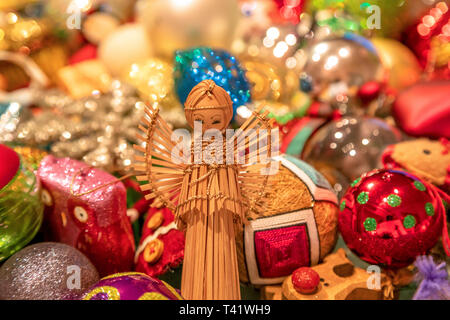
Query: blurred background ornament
(182, 24)
(21, 33)
(86, 208)
(60, 10)
(14, 4)
(402, 66)
(331, 21)
(152, 78)
(36, 79)
(51, 59)
(344, 149)
(295, 133)
(423, 110)
(287, 11)
(21, 211)
(127, 44)
(273, 52)
(131, 286)
(375, 17)
(426, 159)
(83, 78)
(298, 228)
(99, 129)
(198, 64)
(429, 38)
(154, 82)
(98, 25)
(255, 16)
(32, 157)
(31, 35)
(46, 271)
(390, 217)
(10, 116)
(335, 69)
(264, 80)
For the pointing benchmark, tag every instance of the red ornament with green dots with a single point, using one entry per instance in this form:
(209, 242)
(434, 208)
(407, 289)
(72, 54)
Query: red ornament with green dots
(389, 217)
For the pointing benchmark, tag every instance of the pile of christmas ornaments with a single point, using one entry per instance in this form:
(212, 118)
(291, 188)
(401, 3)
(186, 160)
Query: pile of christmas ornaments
(359, 91)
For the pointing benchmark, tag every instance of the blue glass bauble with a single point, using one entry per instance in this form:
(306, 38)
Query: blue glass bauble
(195, 65)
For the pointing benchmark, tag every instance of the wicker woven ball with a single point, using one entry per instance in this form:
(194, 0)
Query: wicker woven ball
(298, 227)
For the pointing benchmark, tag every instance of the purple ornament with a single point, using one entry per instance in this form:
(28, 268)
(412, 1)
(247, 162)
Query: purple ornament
(432, 279)
(131, 286)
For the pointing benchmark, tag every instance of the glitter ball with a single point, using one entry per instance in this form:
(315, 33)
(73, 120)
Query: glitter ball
(370, 224)
(195, 65)
(405, 224)
(419, 186)
(342, 206)
(394, 200)
(131, 286)
(429, 209)
(46, 271)
(363, 197)
(409, 222)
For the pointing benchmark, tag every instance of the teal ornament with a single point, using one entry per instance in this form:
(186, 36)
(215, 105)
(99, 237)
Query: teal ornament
(202, 63)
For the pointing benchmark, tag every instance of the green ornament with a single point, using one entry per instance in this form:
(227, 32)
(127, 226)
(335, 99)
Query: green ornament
(363, 197)
(394, 200)
(429, 209)
(409, 221)
(419, 186)
(342, 207)
(21, 211)
(370, 224)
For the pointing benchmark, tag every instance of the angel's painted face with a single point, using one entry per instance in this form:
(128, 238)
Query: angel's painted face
(210, 119)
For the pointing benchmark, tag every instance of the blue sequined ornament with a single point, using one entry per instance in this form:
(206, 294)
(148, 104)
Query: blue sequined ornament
(195, 65)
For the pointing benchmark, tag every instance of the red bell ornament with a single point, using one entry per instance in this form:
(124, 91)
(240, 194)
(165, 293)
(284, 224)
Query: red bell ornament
(389, 217)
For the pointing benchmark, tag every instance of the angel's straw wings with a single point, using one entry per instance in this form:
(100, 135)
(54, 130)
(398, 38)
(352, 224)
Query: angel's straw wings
(163, 170)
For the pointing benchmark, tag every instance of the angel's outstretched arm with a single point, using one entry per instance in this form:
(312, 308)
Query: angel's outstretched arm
(157, 164)
(256, 143)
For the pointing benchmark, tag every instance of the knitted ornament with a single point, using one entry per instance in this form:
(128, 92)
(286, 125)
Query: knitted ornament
(298, 227)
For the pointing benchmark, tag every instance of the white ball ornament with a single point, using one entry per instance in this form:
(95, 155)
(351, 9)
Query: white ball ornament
(128, 44)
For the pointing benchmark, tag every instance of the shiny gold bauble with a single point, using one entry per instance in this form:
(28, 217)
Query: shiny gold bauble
(19, 33)
(401, 64)
(152, 78)
(265, 82)
(154, 82)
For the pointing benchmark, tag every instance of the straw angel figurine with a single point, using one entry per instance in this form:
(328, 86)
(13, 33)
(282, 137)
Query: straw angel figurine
(213, 189)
